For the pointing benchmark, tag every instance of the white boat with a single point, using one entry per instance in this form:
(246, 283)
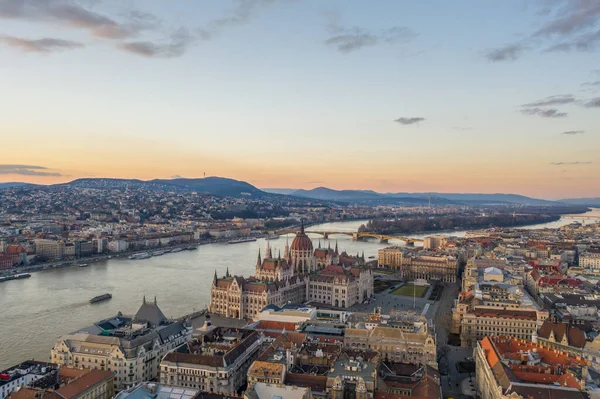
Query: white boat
(141, 255)
(176, 250)
(240, 240)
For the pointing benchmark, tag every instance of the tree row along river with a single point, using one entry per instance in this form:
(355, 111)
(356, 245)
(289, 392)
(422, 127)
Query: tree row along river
(34, 312)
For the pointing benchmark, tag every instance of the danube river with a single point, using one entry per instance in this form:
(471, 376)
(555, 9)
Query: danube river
(34, 312)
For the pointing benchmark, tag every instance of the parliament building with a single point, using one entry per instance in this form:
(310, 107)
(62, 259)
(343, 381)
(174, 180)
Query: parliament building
(303, 274)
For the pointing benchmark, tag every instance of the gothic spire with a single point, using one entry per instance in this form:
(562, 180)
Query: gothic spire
(259, 260)
(215, 278)
(269, 254)
(336, 247)
(227, 272)
(319, 244)
(301, 226)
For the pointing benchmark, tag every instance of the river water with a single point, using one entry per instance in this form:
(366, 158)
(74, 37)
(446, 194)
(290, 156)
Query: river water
(34, 312)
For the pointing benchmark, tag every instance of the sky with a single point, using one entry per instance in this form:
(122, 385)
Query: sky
(394, 96)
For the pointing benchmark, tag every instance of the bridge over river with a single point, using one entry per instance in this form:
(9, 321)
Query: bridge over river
(358, 235)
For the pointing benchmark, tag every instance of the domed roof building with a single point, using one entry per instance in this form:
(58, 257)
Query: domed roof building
(300, 254)
(301, 242)
(289, 280)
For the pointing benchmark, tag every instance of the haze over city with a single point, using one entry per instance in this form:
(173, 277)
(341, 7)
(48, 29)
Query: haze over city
(473, 96)
(300, 199)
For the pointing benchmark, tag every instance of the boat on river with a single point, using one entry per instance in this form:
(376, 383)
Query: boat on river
(240, 240)
(15, 277)
(101, 298)
(141, 255)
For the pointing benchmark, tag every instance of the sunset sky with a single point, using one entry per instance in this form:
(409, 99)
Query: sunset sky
(437, 95)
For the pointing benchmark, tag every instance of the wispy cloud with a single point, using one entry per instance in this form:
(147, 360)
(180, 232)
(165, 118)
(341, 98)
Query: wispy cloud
(591, 86)
(409, 121)
(242, 13)
(509, 52)
(124, 28)
(26, 170)
(560, 99)
(573, 132)
(573, 16)
(351, 40)
(347, 40)
(175, 47)
(586, 42)
(45, 45)
(538, 107)
(570, 25)
(544, 113)
(570, 163)
(593, 103)
(71, 14)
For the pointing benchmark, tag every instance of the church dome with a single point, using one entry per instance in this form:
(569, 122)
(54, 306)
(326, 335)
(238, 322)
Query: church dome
(301, 242)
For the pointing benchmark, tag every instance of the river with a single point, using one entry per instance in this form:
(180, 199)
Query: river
(34, 312)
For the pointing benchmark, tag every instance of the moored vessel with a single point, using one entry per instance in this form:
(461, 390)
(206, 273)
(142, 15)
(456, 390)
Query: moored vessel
(100, 298)
(240, 240)
(141, 255)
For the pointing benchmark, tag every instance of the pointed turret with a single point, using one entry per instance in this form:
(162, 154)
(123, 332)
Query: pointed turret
(286, 251)
(319, 247)
(259, 260)
(301, 226)
(269, 254)
(336, 248)
(144, 300)
(279, 254)
(155, 300)
(215, 278)
(227, 272)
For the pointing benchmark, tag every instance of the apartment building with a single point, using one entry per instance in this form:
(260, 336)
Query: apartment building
(217, 362)
(50, 249)
(130, 346)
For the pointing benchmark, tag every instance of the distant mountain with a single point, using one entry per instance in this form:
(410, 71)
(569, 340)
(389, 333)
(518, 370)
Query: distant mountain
(328, 194)
(281, 191)
(15, 184)
(215, 185)
(497, 198)
(582, 201)
(364, 197)
(372, 197)
(218, 186)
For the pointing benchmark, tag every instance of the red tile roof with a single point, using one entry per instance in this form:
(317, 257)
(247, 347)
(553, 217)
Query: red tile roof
(275, 325)
(84, 383)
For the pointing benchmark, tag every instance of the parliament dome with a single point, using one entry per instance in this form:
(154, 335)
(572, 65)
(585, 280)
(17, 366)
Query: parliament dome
(301, 242)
